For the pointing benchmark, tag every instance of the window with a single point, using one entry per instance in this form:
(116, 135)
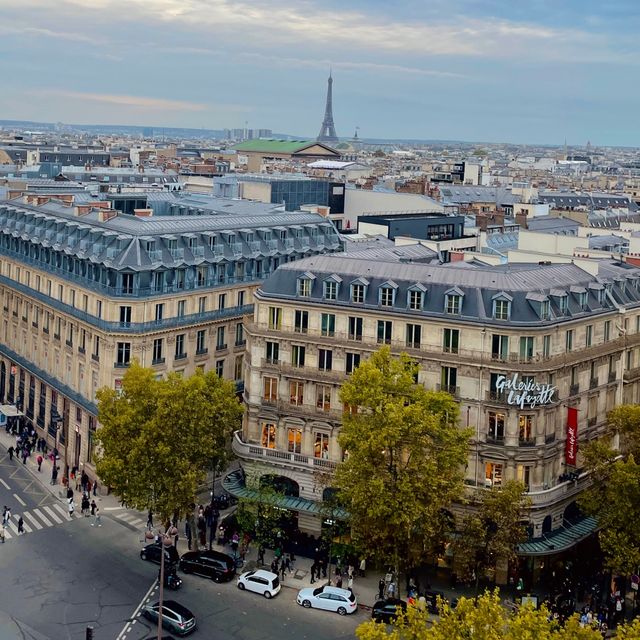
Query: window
(238, 368)
(240, 299)
(523, 475)
(323, 397)
(202, 304)
(181, 306)
(384, 331)
(387, 295)
(574, 376)
(222, 301)
(321, 446)
(355, 328)
(582, 299)
(563, 304)
(357, 293)
(159, 312)
(180, 353)
(607, 330)
(270, 389)
(449, 380)
(352, 362)
(123, 354)
(125, 316)
(220, 368)
(268, 435)
(493, 474)
(200, 341)
(568, 341)
(296, 393)
(525, 428)
(304, 287)
(499, 346)
(220, 339)
(414, 333)
(83, 341)
(546, 345)
(239, 334)
(544, 310)
(325, 359)
(301, 321)
(275, 318)
(451, 340)
(588, 335)
(501, 309)
(272, 352)
(157, 351)
(415, 299)
(452, 304)
(496, 426)
(330, 290)
(328, 324)
(294, 439)
(96, 348)
(526, 348)
(297, 355)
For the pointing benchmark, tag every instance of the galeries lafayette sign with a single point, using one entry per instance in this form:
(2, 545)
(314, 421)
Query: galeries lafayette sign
(524, 393)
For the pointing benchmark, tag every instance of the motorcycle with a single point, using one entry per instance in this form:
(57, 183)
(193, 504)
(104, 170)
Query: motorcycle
(172, 580)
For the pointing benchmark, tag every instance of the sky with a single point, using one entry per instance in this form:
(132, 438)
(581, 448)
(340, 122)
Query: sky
(520, 71)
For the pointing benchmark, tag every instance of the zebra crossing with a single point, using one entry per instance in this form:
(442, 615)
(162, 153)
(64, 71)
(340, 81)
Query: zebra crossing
(36, 519)
(132, 519)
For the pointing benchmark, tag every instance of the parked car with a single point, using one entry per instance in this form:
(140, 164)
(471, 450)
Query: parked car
(387, 610)
(152, 553)
(260, 581)
(211, 564)
(175, 617)
(341, 601)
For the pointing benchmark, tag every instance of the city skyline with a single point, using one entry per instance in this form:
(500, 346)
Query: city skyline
(455, 71)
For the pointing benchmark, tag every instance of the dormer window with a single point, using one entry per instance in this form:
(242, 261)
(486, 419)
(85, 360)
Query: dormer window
(582, 299)
(330, 287)
(357, 293)
(304, 287)
(563, 303)
(544, 310)
(501, 309)
(453, 301)
(415, 297)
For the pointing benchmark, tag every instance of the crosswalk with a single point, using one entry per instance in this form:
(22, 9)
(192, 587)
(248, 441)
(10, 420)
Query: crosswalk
(36, 519)
(133, 519)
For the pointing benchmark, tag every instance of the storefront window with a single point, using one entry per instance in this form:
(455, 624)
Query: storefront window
(493, 474)
(294, 440)
(269, 435)
(321, 446)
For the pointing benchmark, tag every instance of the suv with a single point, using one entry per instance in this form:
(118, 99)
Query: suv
(174, 616)
(211, 564)
(152, 553)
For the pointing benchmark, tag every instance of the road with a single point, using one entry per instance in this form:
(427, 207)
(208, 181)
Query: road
(60, 577)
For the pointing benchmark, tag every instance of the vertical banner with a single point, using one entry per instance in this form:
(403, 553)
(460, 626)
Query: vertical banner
(571, 447)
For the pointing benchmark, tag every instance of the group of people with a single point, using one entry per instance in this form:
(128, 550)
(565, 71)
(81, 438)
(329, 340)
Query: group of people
(6, 517)
(26, 443)
(88, 506)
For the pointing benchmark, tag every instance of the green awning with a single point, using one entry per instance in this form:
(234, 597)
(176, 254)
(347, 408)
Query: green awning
(560, 539)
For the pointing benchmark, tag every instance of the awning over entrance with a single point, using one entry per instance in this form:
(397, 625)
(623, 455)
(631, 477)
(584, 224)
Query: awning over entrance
(559, 540)
(10, 411)
(234, 483)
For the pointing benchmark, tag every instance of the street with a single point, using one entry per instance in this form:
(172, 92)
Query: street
(67, 574)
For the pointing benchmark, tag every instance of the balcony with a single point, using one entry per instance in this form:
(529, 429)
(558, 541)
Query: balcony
(527, 442)
(631, 374)
(495, 441)
(496, 396)
(593, 383)
(550, 438)
(549, 497)
(574, 389)
(180, 356)
(451, 389)
(121, 365)
(157, 361)
(612, 376)
(591, 422)
(297, 460)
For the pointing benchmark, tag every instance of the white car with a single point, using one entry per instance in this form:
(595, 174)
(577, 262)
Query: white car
(263, 582)
(341, 601)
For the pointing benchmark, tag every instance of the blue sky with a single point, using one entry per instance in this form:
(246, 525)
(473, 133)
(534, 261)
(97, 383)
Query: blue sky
(523, 71)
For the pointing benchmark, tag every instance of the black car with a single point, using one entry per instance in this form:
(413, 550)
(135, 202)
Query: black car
(211, 564)
(174, 616)
(152, 553)
(387, 610)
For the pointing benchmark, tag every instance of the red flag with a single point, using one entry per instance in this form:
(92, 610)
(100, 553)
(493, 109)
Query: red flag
(571, 446)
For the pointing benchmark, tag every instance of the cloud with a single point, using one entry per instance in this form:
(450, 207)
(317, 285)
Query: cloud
(142, 102)
(49, 33)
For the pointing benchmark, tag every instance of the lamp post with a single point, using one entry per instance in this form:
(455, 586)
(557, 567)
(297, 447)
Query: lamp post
(166, 540)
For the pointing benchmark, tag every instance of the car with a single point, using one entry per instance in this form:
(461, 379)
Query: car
(260, 581)
(387, 610)
(152, 553)
(175, 617)
(329, 598)
(220, 567)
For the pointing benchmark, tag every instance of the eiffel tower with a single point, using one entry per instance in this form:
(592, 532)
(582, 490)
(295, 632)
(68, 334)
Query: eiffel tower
(327, 130)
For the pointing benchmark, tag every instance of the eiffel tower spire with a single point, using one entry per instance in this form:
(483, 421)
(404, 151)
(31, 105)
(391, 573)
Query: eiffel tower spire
(328, 130)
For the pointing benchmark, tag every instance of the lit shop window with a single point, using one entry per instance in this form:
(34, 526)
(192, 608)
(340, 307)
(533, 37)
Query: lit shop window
(268, 435)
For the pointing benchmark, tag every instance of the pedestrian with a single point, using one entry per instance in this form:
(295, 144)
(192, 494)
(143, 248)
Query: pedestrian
(2, 534)
(6, 516)
(363, 567)
(94, 506)
(260, 555)
(71, 506)
(187, 533)
(25, 454)
(339, 582)
(391, 589)
(350, 583)
(235, 540)
(150, 520)
(381, 586)
(96, 513)
(10, 451)
(283, 568)
(20, 525)
(54, 473)
(85, 505)
(95, 491)
(313, 572)
(39, 461)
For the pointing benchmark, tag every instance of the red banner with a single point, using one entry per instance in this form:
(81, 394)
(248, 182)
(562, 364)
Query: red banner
(571, 447)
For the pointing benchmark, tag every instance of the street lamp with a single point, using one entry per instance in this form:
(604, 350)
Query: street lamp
(166, 540)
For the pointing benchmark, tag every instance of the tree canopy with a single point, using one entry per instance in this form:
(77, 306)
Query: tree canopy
(404, 459)
(158, 437)
(483, 618)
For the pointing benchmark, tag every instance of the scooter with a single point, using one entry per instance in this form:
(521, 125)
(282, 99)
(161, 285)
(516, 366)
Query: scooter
(171, 579)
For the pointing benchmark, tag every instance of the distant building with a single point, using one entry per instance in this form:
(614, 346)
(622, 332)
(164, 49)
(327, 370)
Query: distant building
(262, 152)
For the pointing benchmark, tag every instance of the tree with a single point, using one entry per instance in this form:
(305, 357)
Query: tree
(404, 463)
(483, 618)
(260, 516)
(492, 532)
(158, 437)
(625, 421)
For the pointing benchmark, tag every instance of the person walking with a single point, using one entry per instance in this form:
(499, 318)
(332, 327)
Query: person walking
(10, 451)
(39, 461)
(381, 586)
(96, 513)
(54, 473)
(6, 516)
(150, 520)
(71, 506)
(94, 506)
(95, 490)
(363, 567)
(25, 454)
(314, 568)
(2, 534)
(20, 525)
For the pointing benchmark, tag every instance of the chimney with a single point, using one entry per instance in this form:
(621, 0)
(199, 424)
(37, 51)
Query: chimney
(104, 215)
(143, 213)
(521, 219)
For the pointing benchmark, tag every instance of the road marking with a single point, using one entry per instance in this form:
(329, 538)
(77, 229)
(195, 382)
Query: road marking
(127, 627)
(127, 517)
(53, 514)
(5, 485)
(64, 513)
(42, 517)
(112, 508)
(26, 527)
(7, 534)
(28, 516)
(19, 499)
(12, 526)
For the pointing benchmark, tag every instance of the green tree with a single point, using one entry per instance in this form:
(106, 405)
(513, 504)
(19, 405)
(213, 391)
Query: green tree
(492, 532)
(625, 421)
(260, 515)
(404, 459)
(158, 437)
(482, 618)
